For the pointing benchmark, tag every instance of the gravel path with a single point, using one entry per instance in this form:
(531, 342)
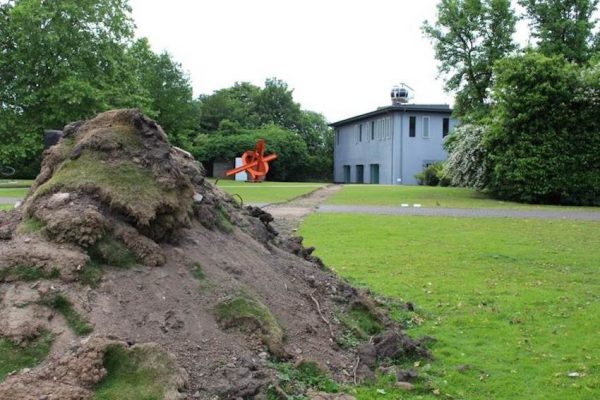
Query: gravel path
(462, 212)
(288, 215)
(9, 200)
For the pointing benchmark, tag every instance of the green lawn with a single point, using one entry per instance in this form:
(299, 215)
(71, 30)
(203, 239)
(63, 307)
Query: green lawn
(13, 192)
(513, 303)
(428, 196)
(267, 192)
(15, 183)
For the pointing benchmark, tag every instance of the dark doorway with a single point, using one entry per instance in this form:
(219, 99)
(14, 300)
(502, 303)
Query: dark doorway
(360, 173)
(374, 173)
(347, 178)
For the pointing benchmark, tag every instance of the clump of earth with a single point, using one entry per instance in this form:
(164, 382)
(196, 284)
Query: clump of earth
(121, 245)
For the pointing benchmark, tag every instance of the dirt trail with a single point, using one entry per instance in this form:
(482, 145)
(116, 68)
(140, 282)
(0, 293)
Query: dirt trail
(288, 215)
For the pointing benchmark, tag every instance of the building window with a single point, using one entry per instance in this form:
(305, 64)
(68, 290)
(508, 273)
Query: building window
(373, 130)
(360, 132)
(425, 127)
(412, 126)
(386, 128)
(337, 137)
(445, 127)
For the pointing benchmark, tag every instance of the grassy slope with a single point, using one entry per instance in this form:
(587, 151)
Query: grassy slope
(514, 302)
(428, 196)
(267, 192)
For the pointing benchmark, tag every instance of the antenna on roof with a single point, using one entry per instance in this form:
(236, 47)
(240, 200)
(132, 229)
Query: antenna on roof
(401, 94)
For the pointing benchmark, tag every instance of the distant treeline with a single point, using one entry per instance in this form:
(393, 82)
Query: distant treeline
(67, 60)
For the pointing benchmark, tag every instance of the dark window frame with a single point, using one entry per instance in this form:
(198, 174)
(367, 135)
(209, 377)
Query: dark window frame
(445, 127)
(412, 126)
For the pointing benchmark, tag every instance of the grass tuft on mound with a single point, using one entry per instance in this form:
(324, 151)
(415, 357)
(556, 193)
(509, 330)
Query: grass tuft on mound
(27, 273)
(294, 381)
(30, 225)
(126, 186)
(14, 357)
(61, 303)
(140, 373)
(248, 314)
(111, 251)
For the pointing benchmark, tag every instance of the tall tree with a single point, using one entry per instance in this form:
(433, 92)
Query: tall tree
(168, 89)
(469, 36)
(544, 142)
(235, 104)
(563, 26)
(62, 60)
(275, 105)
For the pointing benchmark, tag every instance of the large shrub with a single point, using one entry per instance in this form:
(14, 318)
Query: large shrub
(466, 164)
(433, 175)
(544, 142)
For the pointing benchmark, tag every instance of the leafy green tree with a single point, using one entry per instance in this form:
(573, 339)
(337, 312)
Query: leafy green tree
(169, 90)
(469, 36)
(563, 26)
(245, 107)
(275, 105)
(62, 60)
(235, 104)
(544, 143)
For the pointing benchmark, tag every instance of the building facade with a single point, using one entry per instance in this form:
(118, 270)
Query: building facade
(392, 144)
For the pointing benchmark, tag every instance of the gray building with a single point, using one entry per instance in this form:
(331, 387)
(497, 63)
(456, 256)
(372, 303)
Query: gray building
(391, 144)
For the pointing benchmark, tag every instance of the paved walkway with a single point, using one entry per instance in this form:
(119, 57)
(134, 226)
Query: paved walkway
(462, 212)
(9, 200)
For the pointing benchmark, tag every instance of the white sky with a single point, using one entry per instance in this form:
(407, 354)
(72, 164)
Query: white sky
(341, 57)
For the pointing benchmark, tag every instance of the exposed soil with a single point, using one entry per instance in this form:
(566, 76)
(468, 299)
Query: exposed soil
(113, 185)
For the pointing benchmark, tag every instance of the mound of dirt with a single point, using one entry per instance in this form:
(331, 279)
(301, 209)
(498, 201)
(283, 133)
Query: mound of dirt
(122, 242)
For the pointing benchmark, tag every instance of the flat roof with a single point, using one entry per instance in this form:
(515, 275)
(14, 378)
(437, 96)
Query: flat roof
(428, 108)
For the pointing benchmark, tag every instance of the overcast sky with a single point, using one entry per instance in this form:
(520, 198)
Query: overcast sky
(341, 57)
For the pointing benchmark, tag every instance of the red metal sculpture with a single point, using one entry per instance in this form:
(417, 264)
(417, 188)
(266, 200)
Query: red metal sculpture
(254, 162)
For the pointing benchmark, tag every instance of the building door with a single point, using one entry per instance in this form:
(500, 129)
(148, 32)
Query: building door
(347, 178)
(374, 173)
(360, 174)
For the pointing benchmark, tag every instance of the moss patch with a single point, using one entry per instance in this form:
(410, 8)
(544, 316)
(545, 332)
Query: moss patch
(27, 273)
(198, 272)
(294, 381)
(30, 225)
(223, 220)
(91, 274)
(14, 357)
(61, 303)
(248, 314)
(113, 252)
(139, 373)
(359, 324)
(127, 187)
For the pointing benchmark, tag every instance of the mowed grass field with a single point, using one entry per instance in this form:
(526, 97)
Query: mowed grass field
(13, 188)
(514, 304)
(428, 196)
(267, 192)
